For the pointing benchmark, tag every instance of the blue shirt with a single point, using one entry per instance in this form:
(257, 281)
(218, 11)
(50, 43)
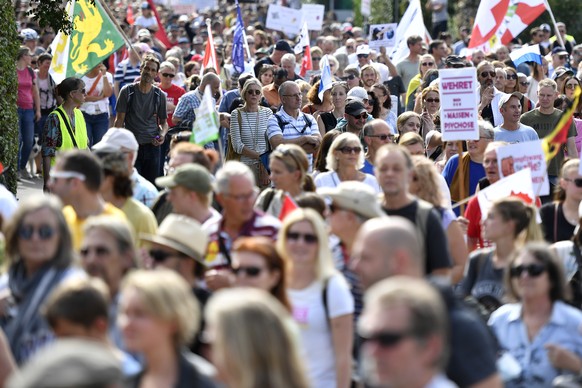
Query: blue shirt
(563, 329)
(186, 105)
(476, 172)
(368, 167)
(522, 134)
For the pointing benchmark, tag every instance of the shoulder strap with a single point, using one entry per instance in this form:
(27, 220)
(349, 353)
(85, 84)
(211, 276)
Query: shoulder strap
(556, 205)
(31, 72)
(239, 114)
(95, 84)
(69, 129)
(268, 199)
(421, 220)
(130, 91)
(324, 298)
(281, 122)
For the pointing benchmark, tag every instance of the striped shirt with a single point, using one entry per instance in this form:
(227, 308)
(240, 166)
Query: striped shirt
(249, 129)
(294, 127)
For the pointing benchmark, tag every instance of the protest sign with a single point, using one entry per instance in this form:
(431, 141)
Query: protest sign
(515, 157)
(516, 185)
(313, 16)
(284, 19)
(382, 35)
(458, 95)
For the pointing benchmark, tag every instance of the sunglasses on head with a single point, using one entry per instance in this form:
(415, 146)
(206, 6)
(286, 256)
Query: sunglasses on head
(44, 232)
(168, 75)
(384, 338)
(99, 251)
(432, 100)
(427, 63)
(350, 77)
(256, 92)
(533, 270)
(577, 181)
(307, 237)
(485, 74)
(350, 150)
(250, 271)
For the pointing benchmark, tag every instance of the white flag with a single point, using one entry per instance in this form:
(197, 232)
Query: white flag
(205, 127)
(326, 78)
(411, 23)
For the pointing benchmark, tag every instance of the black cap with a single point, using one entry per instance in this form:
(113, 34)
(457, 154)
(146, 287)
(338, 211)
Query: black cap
(282, 45)
(355, 108)
(561, 71)
(454, 60)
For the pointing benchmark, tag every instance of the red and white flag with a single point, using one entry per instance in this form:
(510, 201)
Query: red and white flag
(504, 19)
(209, 59)
(161, 34)
(288, 206)
(303, 46)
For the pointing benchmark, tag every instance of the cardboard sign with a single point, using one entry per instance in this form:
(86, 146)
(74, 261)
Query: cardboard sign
(382, 35)
(313, 16)
(516, 157)
(284, 19)
(458, 95)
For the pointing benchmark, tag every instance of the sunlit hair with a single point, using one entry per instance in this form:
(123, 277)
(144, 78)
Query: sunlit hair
(65, 254)
(167, 296)
(569, 165)
(250, 82)
(523, 216)
(403, 119)
(230, 170)
(340, 142)
(324, 268)
(266, 249)
(548, 83)
(424, 58)
(425, 175)
(254, 340)
(204, 157)
(294, 159)
(116, 228)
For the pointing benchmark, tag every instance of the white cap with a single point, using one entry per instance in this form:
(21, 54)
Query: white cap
(358, 93)
(363, 49)
(115, 139)
(355, 196)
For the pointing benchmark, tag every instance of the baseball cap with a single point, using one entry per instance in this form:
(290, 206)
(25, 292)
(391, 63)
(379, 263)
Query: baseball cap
(561, 71)
(282, 45)
(183, 18)
(359, 93)
(503, 100)
(197, 40)
(145, 5)
(559, 50)
(355, 108)
(183, 40)
(183, 234)
(192, 176)
(354, 196)
(115, 139)
(454, 60)
(144, 32)
(545, 27)
(363, 49)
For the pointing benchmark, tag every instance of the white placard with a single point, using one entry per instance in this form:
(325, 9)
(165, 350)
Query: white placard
(313, 16)
(186, 7)
(284, 19)
(382, 35)
(366, 7)
(458, 95)
(515, 157)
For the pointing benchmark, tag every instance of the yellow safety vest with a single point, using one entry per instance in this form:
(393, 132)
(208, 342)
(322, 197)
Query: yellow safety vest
(79, 132)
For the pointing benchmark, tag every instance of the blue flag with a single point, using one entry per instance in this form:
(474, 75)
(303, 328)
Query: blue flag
(326, 77)
(238, 44)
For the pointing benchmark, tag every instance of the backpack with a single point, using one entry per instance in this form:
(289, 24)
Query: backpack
(308, 123)
(157, 98)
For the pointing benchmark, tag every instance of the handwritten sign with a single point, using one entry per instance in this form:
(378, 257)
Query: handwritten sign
(458, 94)
(516, 157)
(382, 35)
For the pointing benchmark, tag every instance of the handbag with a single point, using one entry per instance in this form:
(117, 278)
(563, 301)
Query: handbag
(231, 154)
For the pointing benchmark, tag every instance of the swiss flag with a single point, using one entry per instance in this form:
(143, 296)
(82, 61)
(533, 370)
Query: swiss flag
(209, 59)
(489, 17)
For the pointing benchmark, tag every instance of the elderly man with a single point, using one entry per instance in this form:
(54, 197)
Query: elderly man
(288, 64)
(472, 161)
(184, 114)
(390, 247)
(236, 192)
(511, 130)
(489, 94)
(376, 133)
(290, 126)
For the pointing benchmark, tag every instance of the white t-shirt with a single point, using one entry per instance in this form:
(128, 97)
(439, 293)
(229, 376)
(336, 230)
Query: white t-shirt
(309, 313)
(331, 179)
(101, 106)
(143, 22)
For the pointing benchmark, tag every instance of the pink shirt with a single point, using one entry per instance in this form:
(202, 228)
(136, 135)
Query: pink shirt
(25, 81)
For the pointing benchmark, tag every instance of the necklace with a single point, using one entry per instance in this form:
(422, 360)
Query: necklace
(256, 134)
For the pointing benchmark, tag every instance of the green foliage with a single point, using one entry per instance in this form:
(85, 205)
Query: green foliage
(381, 12)
(51, 13)
(9, 44)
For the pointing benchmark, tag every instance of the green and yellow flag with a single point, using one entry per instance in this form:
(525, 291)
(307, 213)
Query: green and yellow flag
(94, 38)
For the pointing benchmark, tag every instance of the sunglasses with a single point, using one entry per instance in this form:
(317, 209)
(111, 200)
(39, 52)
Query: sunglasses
(432, 100)
(563, 57)
(511, 76)
(363, 55)
(533, 270)
(168, 75)
(524, 83)
(577, 181)
(427, 63)
(371, 101)
(350, 47)
(350, 150)
(307, 237)
(571, 86)
(160, 256)
(383, 137)
(33, 62)
(361, 116)
(99, 251)
(484, 74)
(250, 271)
(255, 92)
(350, 77)
(315, 58)
(45, 232)
(385, 339)
(333, 208)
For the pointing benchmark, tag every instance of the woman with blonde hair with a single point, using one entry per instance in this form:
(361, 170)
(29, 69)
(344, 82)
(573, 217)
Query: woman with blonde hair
(289, 174)
(425, 63)
(158, 316)
(253, 341)
(428, 106)
(408, 122)
(248, 126)
(322, 303)
(344, 161)
(426, 185)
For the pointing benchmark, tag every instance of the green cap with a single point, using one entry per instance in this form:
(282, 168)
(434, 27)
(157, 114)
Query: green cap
(191, 176)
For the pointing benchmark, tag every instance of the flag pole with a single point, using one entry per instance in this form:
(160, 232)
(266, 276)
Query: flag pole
(119, 29)
(558, 35)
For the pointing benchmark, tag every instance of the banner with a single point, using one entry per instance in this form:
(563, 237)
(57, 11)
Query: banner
(313, 16)
(284, 19)
(382, 35)
(458, 95)
(205, 127)
(516, 157)
(93, 39)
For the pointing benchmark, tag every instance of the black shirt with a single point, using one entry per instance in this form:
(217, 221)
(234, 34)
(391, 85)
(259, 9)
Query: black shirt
(555, 230)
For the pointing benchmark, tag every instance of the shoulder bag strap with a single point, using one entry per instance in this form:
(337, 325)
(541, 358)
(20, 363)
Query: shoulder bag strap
(324, 298)
(556, 205)
(69, 129)
(95, 84)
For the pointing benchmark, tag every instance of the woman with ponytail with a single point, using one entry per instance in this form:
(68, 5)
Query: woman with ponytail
(509, 224)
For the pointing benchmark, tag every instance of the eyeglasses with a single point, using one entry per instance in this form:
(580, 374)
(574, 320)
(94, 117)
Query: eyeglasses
(385, 339)
(349, 150)
(255, 92)
(432, 100)
(160, 256)
(168, 75)
(533, 270)
(524, 83)
(67, 175)
(577, 181)
(250, 271)
(350, 77)
(383, 137)
(361, 116)
(427, 63)
(45, 232)
(571, 86)
(511, 76)
(296, 95)
(307, 237)
(82, 91)
(99, 250)
(363, 55)
(315, 58)
(485, 74)
(33, 62)
(564, 57)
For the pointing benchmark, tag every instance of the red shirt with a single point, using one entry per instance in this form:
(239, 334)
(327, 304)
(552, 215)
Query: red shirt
(173, 94)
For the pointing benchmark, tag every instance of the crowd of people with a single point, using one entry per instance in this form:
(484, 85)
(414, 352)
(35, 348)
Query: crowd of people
(324, 240)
